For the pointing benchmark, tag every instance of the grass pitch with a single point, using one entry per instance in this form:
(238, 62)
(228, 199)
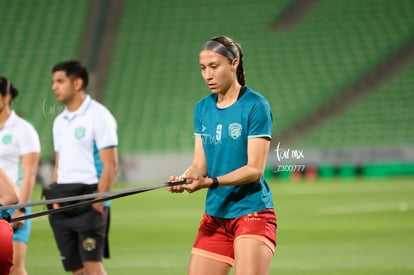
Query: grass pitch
(359, 226)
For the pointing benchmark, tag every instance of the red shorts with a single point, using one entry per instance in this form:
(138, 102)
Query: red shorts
(216, 236)
(6, 249)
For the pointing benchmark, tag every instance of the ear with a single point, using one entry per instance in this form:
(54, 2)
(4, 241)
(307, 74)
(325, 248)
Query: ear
(234, 64)
(78, 83)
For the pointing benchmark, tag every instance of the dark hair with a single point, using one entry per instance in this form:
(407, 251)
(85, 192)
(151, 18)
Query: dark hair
(229, 48)
(6, 87)
(73, 68)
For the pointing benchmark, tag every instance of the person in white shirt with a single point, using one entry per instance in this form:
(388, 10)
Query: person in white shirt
(19, 159)
(86, 160)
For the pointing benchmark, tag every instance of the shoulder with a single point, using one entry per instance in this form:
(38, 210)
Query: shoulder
(253, 100)
(24, 125)
(101, 114)
(206, 101)
(254, 96)
(27, 135)
(99, 109)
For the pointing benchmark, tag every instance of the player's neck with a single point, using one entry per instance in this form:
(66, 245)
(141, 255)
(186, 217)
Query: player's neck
(228, 98)
(74, 104)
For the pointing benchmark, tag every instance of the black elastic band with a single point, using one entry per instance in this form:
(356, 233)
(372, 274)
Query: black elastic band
(99, 198)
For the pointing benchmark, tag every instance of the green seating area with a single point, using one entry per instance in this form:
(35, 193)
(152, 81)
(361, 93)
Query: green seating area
(154, 79)
(380, 119)
(35, 35)
(331, 48)
(155, 82)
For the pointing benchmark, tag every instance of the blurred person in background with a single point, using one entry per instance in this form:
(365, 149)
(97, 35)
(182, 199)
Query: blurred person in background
(233, 128)
(86, 161)
(8, 195)
(19, 159)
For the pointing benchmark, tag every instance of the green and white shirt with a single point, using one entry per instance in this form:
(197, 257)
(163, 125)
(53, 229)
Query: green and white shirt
(17, 138)
(78, 137)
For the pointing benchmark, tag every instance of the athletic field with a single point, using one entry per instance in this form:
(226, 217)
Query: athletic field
(325, 227)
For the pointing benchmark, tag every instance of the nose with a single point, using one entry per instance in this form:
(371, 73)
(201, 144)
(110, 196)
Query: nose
(207, 74)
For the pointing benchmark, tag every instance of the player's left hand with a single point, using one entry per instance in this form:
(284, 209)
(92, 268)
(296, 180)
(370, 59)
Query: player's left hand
(17, 224)
(99, 207)
(176, 188)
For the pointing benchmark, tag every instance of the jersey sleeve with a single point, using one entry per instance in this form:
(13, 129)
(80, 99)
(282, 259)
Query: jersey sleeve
(106, 131)
(260, 120)
(29, 140)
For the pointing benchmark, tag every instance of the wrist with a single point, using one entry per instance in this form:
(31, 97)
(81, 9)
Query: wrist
(214, 183)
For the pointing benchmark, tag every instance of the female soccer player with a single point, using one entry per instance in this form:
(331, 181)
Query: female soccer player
(19, 158)
(8, 195)
(233, 128)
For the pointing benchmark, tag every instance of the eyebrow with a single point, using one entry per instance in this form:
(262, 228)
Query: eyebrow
(210, 63)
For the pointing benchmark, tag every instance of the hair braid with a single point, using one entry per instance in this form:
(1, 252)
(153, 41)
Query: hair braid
(240, 68)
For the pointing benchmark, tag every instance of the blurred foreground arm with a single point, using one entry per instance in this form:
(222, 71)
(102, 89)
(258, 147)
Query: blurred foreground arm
(8, 190)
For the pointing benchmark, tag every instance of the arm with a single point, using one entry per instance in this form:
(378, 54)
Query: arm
(30, 164)
(8, 190)
(109, 158)
(258, 149)
(55, 169)
(199, 165)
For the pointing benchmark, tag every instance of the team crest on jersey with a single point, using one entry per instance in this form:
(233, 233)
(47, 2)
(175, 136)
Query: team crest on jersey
(80, 132)
(235, 130)
(7, 139)
(89, 244)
